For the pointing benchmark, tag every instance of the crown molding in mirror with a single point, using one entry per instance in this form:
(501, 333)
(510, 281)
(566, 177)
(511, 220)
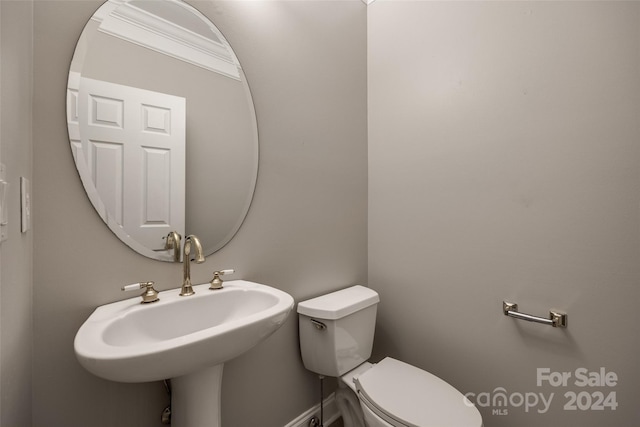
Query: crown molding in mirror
(134, 24)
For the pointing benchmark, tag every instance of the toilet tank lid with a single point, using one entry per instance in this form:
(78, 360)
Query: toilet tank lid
(339, 304)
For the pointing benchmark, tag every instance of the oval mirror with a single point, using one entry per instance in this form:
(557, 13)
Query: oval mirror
(162, 126)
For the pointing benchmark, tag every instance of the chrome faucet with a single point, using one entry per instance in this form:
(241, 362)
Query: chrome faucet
(191, 240)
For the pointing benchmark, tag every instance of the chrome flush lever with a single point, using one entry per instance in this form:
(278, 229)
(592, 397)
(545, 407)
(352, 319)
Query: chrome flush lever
(319, 325)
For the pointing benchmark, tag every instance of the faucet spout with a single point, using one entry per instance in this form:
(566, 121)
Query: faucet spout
(199, 258)
(173, 242)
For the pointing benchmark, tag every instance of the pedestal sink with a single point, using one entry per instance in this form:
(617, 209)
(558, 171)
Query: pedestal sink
(185, 339)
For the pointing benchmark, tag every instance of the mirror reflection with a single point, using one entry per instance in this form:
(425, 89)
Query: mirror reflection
(161, 125)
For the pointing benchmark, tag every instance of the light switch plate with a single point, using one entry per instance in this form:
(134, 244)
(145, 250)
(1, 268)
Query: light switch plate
(25, 204)
(4, 190)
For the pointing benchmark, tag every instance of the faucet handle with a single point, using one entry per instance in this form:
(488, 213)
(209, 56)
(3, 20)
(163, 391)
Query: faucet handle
(216, 282)
(149, 294)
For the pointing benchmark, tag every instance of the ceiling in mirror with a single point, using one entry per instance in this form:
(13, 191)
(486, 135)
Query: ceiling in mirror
(162, 125)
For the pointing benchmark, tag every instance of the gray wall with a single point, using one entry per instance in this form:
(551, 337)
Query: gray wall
(305, 233)
(16, 327)
(504, 164)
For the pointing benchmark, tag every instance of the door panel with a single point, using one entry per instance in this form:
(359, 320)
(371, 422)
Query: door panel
(134, 141)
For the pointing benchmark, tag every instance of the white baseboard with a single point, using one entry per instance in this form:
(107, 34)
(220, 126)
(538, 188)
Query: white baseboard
(330, 412)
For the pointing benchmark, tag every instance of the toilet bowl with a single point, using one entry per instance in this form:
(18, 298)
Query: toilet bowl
(349, 407)
(336, 339)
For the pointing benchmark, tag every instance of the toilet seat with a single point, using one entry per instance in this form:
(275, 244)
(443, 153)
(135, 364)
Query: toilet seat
(408, 396)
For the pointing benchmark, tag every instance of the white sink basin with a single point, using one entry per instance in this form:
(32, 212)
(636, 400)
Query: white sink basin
(131, 342)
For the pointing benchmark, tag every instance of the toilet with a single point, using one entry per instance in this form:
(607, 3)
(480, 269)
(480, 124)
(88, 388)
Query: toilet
(336, 338)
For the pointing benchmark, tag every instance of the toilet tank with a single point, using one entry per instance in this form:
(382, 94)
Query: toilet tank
(336, 330)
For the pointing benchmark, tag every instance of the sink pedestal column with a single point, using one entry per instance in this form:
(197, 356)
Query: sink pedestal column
(195, 398)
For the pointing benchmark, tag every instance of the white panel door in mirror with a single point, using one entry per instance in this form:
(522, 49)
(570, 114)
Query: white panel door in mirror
(134, 145)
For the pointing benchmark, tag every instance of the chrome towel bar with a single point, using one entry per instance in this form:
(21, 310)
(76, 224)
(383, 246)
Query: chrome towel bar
(555, 319)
